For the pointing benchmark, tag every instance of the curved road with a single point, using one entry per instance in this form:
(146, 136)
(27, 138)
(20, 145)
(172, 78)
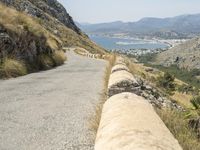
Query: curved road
(50, 110)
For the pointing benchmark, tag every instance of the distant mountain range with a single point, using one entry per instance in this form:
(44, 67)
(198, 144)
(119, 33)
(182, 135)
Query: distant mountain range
(184, 26)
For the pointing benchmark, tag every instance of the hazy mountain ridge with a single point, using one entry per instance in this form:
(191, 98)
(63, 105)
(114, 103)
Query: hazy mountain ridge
(176, 27)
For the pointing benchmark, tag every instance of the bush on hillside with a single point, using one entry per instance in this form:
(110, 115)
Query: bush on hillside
(186, 89)
(196, 102)
(147, 58)
(187, 76)
(167, 82)
(59, 57)
(12, 68)
(48, 61)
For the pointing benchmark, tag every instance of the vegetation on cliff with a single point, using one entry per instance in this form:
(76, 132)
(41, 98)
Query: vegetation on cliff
(35, 33)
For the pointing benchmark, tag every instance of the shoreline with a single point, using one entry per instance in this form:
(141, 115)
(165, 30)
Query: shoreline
(170, 43)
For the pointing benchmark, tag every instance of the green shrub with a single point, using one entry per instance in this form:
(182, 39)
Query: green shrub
(12, 68)
(196, 102)
(186, 89)
(147, 58)
(167, 82)
(188, 77)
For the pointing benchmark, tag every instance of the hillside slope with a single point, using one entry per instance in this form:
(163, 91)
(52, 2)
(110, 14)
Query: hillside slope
(43, 8)
(33, 31)
(186, 55)
(53, 17)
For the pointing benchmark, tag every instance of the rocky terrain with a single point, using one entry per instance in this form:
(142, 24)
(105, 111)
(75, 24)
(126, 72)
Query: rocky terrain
(42, 9)
(54, 18)
(186, 55)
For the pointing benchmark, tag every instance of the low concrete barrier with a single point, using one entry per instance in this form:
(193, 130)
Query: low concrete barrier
(129, 122)
(84, 52)
(122, 81)
(119, 67)
(120, 60)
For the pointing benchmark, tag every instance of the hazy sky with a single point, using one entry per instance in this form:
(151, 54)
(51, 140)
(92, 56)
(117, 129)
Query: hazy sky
(96, 11)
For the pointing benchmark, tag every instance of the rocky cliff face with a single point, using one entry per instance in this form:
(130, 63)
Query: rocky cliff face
(40, 9)
(23, 45)
(47, 19)
(31, 30)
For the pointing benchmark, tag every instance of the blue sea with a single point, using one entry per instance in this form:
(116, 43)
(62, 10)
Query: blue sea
(125, 44)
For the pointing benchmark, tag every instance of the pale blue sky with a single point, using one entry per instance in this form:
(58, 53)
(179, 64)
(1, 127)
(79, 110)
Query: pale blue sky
(96, 11)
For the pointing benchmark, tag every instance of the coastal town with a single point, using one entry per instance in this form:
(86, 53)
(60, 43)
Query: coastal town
(138, 52)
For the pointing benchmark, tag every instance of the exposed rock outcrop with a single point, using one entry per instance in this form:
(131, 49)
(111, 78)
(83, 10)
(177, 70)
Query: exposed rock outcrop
(32, 31)
(155, 97)
(40, 9)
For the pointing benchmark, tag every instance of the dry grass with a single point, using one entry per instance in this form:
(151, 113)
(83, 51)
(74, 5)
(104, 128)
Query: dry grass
(12, 68)
(45, 62)
(59, 57)
(183, 99)
(80, 51)
(18, 21)
(140, 70)
(95, 118)
(178, 125)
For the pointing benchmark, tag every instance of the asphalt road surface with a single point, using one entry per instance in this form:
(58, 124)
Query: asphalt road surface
(50, 110)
